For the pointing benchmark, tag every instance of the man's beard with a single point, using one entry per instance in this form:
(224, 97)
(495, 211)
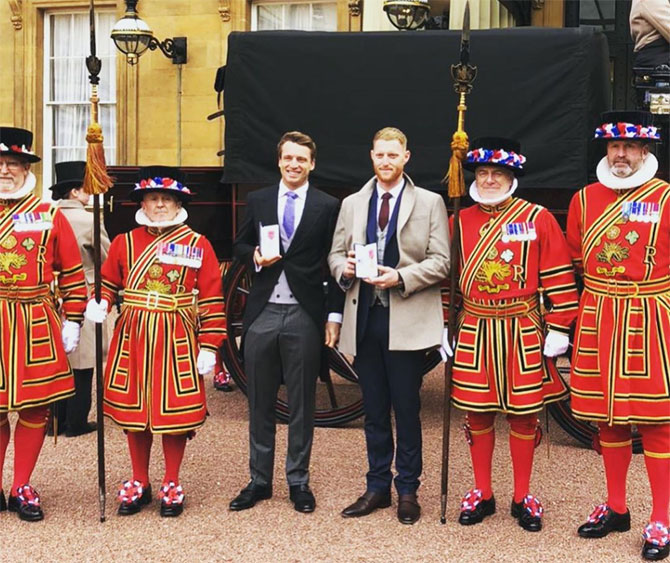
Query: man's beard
(622, 170)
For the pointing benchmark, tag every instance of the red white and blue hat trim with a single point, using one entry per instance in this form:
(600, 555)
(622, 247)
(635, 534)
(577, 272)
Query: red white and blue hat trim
(165, 184)
(498, 157)
(624, 130)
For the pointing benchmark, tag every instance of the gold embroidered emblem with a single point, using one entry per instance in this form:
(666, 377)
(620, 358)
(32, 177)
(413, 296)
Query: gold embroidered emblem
(155, 271)
(28, 244)
(489, 270)
(11, 260)
(157, 286)
(611, 273)
(9, 242)
(492, 253)
(173, 275)
(613, 232)
(612, 252)
(632, 237)
(485, 227)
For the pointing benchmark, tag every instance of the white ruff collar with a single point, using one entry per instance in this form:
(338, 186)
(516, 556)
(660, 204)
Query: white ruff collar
(23, 191)
(474, 194)
(645, 173)
(142, 219)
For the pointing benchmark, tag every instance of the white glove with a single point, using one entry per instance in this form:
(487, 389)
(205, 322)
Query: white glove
(96, 312)
(206, 361)
(447, 348)
(70, 335)
(555, 344)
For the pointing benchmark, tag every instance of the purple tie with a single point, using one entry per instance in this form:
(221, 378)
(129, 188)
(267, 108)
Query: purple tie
(384, 211)
(288, 221)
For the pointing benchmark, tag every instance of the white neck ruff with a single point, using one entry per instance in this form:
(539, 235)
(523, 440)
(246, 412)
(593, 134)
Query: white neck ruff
(23, 191)
(474, 194)
(645, 173)
(142, 219)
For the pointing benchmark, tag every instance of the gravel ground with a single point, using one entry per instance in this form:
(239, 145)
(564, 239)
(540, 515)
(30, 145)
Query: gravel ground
(568, 480)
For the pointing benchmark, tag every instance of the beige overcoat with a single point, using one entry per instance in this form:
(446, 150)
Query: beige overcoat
(415, 315)
(81, 220)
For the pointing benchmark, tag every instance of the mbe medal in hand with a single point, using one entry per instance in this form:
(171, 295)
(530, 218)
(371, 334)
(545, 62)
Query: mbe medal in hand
(269, 239)
(366, 260)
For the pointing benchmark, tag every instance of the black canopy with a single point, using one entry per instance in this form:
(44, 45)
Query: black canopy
(542, 86)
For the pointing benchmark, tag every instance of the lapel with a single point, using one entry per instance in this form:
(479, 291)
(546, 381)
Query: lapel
(310, 217)
(362, 209)
(406, 203)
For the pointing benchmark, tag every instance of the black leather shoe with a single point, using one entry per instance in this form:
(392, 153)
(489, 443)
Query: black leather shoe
(604, 520)
(26, 511)
(366, 504)
(249, 496)
(486, 507)
(653, 552)
(87, 428)
(3, 501)
(527, 520)
(409, 510)
(133, 507)
(302, 498)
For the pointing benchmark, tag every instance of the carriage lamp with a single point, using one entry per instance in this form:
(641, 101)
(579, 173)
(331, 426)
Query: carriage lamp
(407, 14)
(132, 36)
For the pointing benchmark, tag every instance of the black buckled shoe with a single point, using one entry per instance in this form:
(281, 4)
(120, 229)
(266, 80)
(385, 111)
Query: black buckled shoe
(3, 501)
(656, 541)
(26, 503)
(172, 500)
(133, 496)
(302, 498)
(409, 509)
(474, 508)
(528, 512)
(249, 496)
(604, 520)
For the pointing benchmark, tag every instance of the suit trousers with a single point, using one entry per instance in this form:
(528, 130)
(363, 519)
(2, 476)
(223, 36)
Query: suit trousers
(282, 344)
(390, 379)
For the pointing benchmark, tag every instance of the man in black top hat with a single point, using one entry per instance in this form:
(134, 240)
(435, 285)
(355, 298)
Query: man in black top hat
(72, 201)
(618, 231)
(36, 241)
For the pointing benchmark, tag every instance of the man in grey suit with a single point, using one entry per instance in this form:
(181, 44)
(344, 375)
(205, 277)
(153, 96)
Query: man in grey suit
(283, 325)
(391, 319)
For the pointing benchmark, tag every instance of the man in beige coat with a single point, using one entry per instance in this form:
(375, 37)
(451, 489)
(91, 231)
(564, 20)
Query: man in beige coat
(391, 319)
(72, 201)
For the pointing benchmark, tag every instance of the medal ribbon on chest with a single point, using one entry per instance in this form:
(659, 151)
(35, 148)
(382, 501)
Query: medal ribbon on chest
(39, 221)
(179, 254)
(640, 212)
(524, 230)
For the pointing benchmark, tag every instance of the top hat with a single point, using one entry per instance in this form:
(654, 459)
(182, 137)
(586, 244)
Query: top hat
(69, 175)
(167, 179)
(633, 125)
(17, 142)
(496, 151)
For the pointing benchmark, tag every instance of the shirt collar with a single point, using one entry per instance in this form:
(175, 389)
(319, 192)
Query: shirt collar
(394, 191)
(301, 192)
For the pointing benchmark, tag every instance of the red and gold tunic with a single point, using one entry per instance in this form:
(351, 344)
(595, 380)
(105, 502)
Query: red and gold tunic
(172, 307)
(620, 241)
(36, 243)
(507, 253)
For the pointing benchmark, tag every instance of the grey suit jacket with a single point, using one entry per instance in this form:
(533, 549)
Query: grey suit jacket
(423, 243)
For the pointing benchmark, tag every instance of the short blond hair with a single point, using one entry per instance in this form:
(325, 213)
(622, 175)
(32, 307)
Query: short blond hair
(390, 134)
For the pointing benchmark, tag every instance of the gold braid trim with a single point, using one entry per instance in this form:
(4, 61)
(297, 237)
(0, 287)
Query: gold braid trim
(657, 455)
(616, 444)
(523, 436)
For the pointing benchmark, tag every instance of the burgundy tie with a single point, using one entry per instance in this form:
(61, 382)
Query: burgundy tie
(384, 211)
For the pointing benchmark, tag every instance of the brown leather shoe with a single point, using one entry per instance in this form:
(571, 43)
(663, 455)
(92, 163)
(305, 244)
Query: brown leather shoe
(366, 504)
(409, 510)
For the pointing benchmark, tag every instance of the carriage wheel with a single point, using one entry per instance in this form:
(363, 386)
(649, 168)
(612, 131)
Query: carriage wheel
(583, 431)
(338, 396)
